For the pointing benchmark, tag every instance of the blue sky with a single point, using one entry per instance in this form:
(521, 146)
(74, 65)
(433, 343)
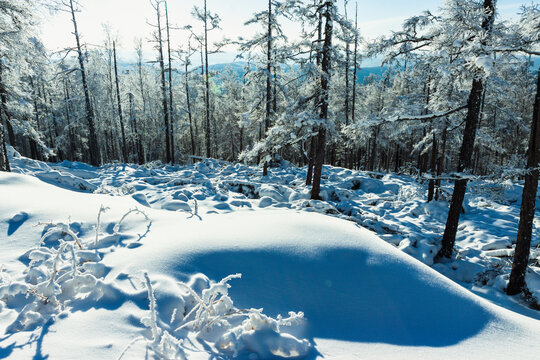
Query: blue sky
(128, 19)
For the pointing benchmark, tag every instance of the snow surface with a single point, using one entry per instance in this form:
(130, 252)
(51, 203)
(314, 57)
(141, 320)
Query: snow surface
(360, 295)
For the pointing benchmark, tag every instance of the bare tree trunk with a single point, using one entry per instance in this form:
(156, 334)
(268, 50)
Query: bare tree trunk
(431, 186)
(95, 156)
(268, 79)
(68, 119)
(347, 70)
(313, 145)
(207, 84)
(465, 156)
(323, 107)
(442, 157)
(373, 152)
(523, 244)
(163, 89)
(190, 116)
(120, 116)
(171, 106)
(3, 96)
(4, 159)
(138, 141)
(355, 70)
(312, 149)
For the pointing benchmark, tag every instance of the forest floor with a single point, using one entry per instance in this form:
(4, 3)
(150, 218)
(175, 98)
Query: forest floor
(75, 280)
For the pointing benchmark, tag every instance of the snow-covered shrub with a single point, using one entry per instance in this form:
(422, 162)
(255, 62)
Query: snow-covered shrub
(58, 273)
(210, 316)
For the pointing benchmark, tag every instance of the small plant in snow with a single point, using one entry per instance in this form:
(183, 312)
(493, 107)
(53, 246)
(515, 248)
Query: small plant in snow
(212, 318)
(211, 307)
(56, 276)
(195, 211)
(163, 344)
(131, 211)
(102, 209)
(60, 229)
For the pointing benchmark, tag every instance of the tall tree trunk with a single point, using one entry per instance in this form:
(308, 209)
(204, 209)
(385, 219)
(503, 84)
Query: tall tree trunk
(373, 151)
(442, 157)
(268, 79)
(207, 84)
(347, 70)
(68, 119)
(467, 146)
(95, 156)
(523, 243)
(431, 186)
(311, 162)
(4, 159)
(171, 106)
(188, 102)
(118, 98)
(3, 96)
(138, 140)
(323, 107)
(313, 145)
(355, 69)
(163, 89)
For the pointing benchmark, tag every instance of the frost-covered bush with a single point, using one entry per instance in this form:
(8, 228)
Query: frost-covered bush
(211, 317)
(60, 271)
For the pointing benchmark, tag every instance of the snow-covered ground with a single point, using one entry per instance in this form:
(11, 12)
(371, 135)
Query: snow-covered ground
(320, 279)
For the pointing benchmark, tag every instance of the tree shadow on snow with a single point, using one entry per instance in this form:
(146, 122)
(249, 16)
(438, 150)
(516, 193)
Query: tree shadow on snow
(349, 295)
(7, 351)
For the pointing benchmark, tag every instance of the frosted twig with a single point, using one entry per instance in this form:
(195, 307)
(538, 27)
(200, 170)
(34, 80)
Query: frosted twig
(60, 229)
(195, 211)
(153, 316)
(57, 259)
(136, 211)
(138, 338)
(102, 209)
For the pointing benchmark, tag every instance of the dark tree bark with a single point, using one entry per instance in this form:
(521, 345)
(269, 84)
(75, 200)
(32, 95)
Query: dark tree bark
(138, 140)
(95, 156)
(163, 88)
(431, 186)
(313, 145)
(188, 102)
(207, 85)
(323, 100)
(4, 159)
(171, 106)
(347, 71)
(311, 162)
(268, 79)
(355, 63)
(3, 97)
(119, 100)
(67, 107)
(467, 146)
(373, 151)
(523, 243)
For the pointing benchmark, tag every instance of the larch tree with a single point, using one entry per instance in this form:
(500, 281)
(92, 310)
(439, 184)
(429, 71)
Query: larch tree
(329, 11)
(119, 101)
(171, 108)
(95, 155)
(210, 22)
(516, 283)
(159, 39)
(528, 41)
(474, 104)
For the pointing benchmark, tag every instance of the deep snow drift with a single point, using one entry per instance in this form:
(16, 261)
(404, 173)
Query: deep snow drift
(360, 296)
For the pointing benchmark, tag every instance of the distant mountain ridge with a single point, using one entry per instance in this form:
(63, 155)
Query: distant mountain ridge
(239, 68)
